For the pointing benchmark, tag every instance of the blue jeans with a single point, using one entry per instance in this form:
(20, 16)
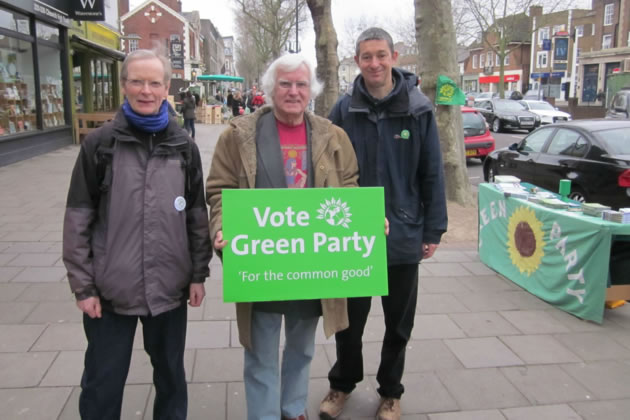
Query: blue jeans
(271, 394)
(189, 126)
(107, 358)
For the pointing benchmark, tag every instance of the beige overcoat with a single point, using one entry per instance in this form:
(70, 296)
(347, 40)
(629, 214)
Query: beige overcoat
(234, 166)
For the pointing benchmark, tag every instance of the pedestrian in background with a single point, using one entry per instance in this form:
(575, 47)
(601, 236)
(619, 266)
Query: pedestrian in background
(188, 109)
(238, 106)
(253, 153)
(393, 131)
(136, 243)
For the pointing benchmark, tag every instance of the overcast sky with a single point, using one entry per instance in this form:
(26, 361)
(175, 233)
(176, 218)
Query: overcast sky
(221, 15)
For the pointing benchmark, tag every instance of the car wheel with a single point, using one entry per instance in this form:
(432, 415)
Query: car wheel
(496, 125)
(577, 195)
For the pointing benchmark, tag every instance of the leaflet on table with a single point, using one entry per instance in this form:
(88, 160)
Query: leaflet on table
(511, 189)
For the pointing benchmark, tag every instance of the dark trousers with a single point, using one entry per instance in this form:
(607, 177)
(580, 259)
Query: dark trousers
(399, 308)
(189, 126)
(107, 358)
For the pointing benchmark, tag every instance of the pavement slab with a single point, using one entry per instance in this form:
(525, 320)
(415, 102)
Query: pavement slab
(540, 349)
(482, 352)
(33, 403)
(549, 412)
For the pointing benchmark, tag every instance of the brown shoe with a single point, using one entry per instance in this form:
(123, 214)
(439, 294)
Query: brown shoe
(332, 404)
(389, 409)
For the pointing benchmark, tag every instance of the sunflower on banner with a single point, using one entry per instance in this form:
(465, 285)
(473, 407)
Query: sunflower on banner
(525, 240)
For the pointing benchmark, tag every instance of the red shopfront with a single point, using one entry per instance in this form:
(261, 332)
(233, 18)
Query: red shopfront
(491, 83)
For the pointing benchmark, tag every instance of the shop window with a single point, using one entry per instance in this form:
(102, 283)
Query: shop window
(133, 45)
(17, 86)
(51, 85)
(474, 63)
(46, 32)
(606, 42)
(14, 22)
(78, 88)
(543, 33)
(507, 60)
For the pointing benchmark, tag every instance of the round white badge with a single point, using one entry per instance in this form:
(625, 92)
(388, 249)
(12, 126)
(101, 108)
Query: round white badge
(180, 203)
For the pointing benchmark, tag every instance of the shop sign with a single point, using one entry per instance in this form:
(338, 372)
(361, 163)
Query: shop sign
(57, 10)
(559, 66)
(176, 48)
(303, 243)
(102, 36)
(495, 79)
(546, 45)
(177, 63)
(561, 49)
(93, 10)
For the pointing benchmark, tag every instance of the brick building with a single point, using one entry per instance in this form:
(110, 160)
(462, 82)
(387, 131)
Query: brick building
(608, 50)
(161, 25)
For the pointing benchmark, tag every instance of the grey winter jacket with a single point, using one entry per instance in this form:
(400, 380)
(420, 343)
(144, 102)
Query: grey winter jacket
(188, 108)
(138, 245)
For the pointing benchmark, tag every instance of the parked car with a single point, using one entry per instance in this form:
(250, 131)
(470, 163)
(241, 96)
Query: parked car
(483, 96)
(535, 95)
(548, 113)
(506, 114)
(620, 105)
(593, 154)
(509, 94)
(477, 138)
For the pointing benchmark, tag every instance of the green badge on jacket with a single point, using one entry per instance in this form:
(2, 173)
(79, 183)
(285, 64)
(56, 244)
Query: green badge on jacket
(404, 134)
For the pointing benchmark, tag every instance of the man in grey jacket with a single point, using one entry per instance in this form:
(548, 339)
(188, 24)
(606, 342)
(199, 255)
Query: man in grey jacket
(136, 242)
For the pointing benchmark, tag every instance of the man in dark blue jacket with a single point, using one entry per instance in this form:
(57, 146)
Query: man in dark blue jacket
(394, 134)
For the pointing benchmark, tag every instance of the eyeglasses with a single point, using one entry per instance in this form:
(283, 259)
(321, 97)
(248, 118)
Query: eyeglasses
(285, 84)
(139, 84)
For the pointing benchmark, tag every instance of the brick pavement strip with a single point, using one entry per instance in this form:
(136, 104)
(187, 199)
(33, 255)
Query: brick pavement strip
(482, 348)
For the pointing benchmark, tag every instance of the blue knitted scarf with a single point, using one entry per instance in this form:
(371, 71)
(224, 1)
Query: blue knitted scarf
(147, 123)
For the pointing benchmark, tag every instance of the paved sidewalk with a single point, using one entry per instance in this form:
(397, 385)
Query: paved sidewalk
(482, 348)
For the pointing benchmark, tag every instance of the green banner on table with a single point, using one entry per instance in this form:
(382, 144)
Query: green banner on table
(559, 256)
(311, 243)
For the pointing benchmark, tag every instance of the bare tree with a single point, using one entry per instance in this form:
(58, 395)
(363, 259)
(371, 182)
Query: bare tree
(265, 28)
(326, 52)
(352, 28)
(437, 45)
(504, 24)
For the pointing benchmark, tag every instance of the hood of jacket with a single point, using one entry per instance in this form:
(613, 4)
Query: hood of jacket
(404, 99)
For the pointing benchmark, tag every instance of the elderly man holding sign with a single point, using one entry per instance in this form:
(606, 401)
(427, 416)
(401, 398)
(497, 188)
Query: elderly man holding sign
(280, 146)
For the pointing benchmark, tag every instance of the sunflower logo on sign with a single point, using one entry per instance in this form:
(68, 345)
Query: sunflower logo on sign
(525, 240)
(335, 213)
(447, 91)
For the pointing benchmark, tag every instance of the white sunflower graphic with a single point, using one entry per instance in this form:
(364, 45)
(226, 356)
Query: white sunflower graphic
(525, 240)
(334, 212)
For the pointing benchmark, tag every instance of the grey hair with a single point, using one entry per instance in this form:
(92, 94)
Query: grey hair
(289, 62)
(146, 55)
(374, 34)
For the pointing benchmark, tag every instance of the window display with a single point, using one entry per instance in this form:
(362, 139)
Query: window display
(51, 86)
(17, 87)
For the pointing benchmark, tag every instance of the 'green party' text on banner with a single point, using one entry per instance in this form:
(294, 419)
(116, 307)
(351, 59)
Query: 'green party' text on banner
(311, 243)
(559, 256)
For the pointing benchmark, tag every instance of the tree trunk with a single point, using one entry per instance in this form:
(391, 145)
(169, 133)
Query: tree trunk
(326, 53)
(437, 46)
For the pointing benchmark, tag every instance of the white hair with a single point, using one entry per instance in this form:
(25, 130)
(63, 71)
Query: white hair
(287, 63)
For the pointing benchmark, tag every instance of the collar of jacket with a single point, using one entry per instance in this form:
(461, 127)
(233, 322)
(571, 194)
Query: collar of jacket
(396, 102)
(245, 130)
(126, 132)
(405, 99)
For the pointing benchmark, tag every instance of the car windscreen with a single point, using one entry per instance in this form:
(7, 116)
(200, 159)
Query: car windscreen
(508, 105)
(616, 141)
(473, 120)
(543, 106)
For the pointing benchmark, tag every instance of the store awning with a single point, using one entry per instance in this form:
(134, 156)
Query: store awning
(115, 54)
(219, 78)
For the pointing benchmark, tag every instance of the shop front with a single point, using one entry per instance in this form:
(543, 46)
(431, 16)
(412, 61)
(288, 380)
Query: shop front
(35, 103)
(550, 83)
(491, 83)
(470, 83)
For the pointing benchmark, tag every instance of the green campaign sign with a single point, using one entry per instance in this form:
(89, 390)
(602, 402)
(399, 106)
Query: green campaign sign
(310, 243)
